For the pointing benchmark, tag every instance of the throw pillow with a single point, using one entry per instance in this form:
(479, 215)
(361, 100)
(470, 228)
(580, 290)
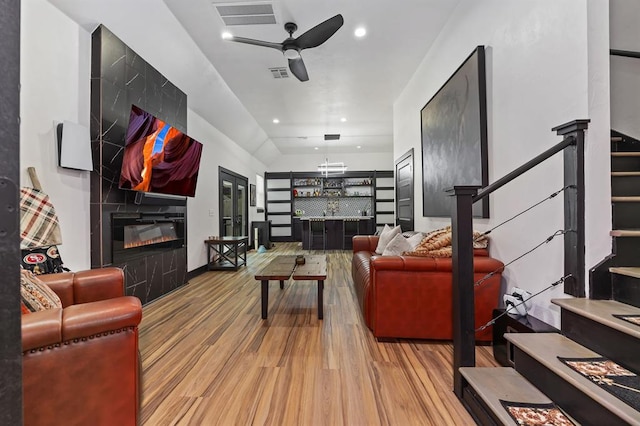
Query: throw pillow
(36, 295)
(414, 240)
(386, 235)
(397, 246)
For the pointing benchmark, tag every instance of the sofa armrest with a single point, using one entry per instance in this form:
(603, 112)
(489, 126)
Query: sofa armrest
(86, 286)
(54, 326)
(92, 318)
(365, 243)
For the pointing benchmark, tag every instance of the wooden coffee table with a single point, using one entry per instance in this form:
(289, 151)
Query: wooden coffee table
(283, 267)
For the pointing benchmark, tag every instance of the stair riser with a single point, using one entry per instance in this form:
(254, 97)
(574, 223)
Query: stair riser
(626, 289)
(626, 215)
(579, 406)
(625, 186)
(626, 144)
(477, 408)
(610, 343)
(625, 164)
(626, 250)
(600, 279)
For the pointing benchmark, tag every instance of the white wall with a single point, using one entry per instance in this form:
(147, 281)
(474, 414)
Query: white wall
(55, 78)
(354, 162)
(538, 76)
(54, 75)
(218, 150)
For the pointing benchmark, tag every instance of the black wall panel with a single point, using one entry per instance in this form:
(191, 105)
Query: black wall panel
(120, 78)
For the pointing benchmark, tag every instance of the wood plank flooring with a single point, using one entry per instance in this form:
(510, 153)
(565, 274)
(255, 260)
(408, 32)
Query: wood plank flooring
(209, 359)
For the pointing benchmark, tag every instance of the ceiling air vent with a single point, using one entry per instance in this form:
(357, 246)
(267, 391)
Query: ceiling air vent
(331, 137)
(256, 13)
(280, 72)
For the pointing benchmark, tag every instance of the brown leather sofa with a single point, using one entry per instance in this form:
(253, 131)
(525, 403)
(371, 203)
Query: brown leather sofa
(81, 362)
(410, 297)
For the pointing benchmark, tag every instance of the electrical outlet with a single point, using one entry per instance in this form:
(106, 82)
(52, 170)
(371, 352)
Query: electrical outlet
(212, 212)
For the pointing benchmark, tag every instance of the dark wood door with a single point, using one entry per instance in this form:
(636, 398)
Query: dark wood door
(404, 191)
(234, 206)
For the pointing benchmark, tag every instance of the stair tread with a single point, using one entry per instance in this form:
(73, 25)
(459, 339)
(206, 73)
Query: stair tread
(602, 311)
(625, 154)
(625, 173)
(625, 233)
(626, 198)
(630, 271)
(495, 383)
(546, 347)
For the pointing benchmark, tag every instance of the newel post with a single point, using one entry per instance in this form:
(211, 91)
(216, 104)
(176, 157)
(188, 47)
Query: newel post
(464, 338)
(574, 241)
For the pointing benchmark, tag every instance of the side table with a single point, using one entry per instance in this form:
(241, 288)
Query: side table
(226, 252)
(502, 349)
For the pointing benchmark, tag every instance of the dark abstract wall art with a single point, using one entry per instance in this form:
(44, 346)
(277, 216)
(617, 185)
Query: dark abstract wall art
(454, 138)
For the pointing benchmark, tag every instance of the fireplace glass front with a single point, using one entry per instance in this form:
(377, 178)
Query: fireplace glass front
(143, 234)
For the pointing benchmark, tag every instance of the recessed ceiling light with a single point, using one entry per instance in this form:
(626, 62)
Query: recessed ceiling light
(276, 121)
(316, 148)
(360, 32)
(343, 119)
(359, 147)
(227, 35)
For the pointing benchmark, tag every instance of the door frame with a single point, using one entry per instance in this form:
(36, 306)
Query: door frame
(245, 181)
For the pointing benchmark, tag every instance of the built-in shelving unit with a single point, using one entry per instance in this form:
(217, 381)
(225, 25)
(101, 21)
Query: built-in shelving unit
(332, 187)
(279, 205)
(290, 195)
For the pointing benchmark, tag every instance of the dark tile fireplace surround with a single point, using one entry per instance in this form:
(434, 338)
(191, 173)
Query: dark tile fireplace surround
(156, 262)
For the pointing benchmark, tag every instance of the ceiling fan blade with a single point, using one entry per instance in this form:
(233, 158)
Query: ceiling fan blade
(320, 33)
(298, 69)
(244, 40)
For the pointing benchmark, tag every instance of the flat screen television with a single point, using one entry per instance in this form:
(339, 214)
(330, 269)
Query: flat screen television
(158, 158)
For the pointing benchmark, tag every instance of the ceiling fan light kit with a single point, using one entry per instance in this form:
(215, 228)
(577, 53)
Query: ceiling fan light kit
(291, 47)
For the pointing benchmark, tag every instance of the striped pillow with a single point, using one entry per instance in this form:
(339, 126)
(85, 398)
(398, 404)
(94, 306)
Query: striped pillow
(36, 295)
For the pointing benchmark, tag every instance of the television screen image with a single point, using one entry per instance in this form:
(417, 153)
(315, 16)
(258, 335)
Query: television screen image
(158, 157)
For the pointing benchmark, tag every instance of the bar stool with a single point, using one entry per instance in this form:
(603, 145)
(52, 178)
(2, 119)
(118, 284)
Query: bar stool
(349, 229)
(317, 233)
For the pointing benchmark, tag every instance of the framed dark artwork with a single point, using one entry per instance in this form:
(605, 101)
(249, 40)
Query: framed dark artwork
(252, 195)
(454, 138)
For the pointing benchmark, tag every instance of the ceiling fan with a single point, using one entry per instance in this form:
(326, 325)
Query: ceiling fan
(291, 47)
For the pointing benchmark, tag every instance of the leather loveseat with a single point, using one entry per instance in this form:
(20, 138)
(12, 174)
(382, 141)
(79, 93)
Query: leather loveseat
(81, 362)
(410, 297)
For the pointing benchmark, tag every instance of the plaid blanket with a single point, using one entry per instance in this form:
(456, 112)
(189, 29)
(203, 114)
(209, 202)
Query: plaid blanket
(38, 220)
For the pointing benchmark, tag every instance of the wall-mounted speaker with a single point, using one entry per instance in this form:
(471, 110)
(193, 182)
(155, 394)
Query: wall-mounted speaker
(74, 146)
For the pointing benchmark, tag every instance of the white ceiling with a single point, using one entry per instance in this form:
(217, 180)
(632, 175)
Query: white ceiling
(358, 79)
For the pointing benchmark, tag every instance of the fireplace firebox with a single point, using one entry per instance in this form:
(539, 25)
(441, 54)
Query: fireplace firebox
(143, 234)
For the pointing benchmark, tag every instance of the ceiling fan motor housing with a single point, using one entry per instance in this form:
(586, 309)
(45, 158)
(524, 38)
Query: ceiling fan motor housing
(291, 28)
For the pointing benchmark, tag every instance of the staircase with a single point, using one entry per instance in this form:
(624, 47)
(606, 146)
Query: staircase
(589, 327)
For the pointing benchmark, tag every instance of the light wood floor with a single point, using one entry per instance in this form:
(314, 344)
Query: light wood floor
(209, 359)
